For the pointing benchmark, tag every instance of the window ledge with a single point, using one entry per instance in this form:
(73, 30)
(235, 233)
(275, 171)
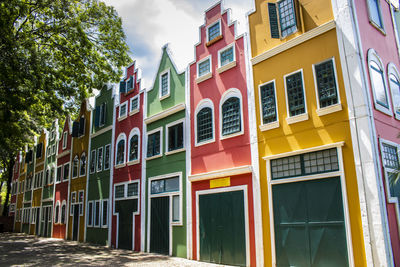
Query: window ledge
(122, 118)
(154, 157)
(397, 116)
(75, 177)
(133, 162)
(327, 110)
(175, 151)
(164, 97)
(133, 112)
(223, 137)
(383, 109)
(204, 77)
(269, 126)
(376, 26)
(205, 142)
(131, 90)
(120, 165)
(226, 67)
(213, 41)
(298, 118)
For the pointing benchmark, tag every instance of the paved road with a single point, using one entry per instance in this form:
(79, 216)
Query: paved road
(18, 249)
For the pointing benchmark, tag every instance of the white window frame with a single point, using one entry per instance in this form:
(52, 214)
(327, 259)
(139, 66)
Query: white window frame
(168, 72)
(159, 129)
(80, 160)
(274, 124)
(73, 167)
(230, 64)
(134, 131)
(109, 159)
(125, 184)
(340, 173)
(211, 25)
(94, 213)
(134, 111)
(69, 171)
(57, 220)
(204, 103)
(207, 75)
(101, 215)
(392, 70)
(72, 203)
(121, 136)
(373, 56)
(300, 117)
(332, 108)
(232, 92)
(64, 203)
(102, 159)
(65, 140)
(81, 211)
(90, 214)
(171, 124)
(373, 23)
(92, 157)
(53, 149)
(121, 117)
(61, 174)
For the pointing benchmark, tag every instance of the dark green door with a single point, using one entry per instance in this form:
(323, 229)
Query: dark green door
(37, 226)
(222, 228)
(309, 224)
(75, 230)
(125, 210)
(159, 225)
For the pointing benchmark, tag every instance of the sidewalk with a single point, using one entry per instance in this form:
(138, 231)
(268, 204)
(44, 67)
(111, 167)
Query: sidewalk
(18, 249)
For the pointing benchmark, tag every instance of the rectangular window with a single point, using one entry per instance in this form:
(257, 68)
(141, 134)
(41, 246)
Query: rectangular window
(390, 156)
(93, 161)
(175, 209)
(268, 102)
(104, 216)
(134, 104)
(282, 18)
(326, 84)
(295, 94)
(73, 200)
(165, 185)
(123, 109)
(374, 12)
(97, 213)
(204, 67)
(59, 173)
(164, 83)
(100, 159)
(226, 55)
(175, 137)
(213, 31)
(64, 142)
(119, 191)
(153, 144)
(378, 84)
(133, 189)
(305, 164)
(66, 171)
(53, 149)
(80, 199)
(90, 213)
(102, 119)
(107, 157)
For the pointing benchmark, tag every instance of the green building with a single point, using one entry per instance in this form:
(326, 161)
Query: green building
(98, 186)
(165, 152)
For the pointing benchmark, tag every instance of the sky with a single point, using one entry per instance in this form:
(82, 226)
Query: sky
(150, 24)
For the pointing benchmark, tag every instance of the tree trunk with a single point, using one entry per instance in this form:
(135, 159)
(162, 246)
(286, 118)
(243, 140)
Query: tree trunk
(9, 172)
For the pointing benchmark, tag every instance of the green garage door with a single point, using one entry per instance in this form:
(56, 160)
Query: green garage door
(125, 210)
(159, 225)
(222, 228)
(309, 224)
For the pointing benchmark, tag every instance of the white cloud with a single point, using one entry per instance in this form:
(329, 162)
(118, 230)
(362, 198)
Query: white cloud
(150, 24)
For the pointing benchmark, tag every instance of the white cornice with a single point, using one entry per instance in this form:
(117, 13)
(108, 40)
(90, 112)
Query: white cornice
(101, 131)
(66, 152)
(220, 173)
(165, 113)
(294, 42)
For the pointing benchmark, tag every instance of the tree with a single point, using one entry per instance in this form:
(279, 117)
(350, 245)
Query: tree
(52, 53)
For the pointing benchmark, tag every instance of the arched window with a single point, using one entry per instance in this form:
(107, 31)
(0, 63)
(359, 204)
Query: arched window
(231, 122)
(378, 84)
(63, 210)
(75, 167)
(394, 83)
(204, 122)
(133, 145)
(82, 165)
(57, 212)
(120, 150)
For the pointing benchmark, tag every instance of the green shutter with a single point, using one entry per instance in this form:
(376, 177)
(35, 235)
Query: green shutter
(273, 20)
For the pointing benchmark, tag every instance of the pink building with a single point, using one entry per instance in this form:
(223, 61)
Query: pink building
(62, 180)
(127, 170)
(222, 179)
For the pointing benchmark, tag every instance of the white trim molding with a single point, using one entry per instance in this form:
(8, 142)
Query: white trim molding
(220, 173)
(165, 113)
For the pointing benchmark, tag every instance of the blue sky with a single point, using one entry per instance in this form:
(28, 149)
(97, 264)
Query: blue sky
(150, 24)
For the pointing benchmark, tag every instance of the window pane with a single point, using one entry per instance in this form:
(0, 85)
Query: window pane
(83, 165)
(395, 87)
(105, 213)
(213, 31)
(90, 213)
(59, 172)
(390, 157)
(121, 152)
(107, 158)
(133, 148)
(231, 122)
(93, 161)
(287, 17)
(75, 168)
(63, 213)
(175, 137)
(326, 83)
(153, 144)
(227, 56)
(378, 84)
(66, 171)
(374, 12)
(172, 184)
(204, 125)
(133, 189)
(175, 208)
(100, 159)
(97, 213)
(268, 102)
(134, 104)
(204, 67)
(122, 110)
(294, 87)
(120, 191)
(164, 84)
(157, 186)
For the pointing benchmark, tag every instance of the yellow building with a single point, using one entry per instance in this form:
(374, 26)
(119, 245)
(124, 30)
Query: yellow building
(309, 193)
(77, 190)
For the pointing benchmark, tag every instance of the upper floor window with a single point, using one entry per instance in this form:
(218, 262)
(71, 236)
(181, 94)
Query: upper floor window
(59, 174)
(133, 149)
(282, 18)
(64, 141)
(164, 84)
(213, 31)
(205, 129)
(66, 172)
(130, 84)
(123, 109)
(295, 94)
(134, 106)
(107, 154)
(75, 167)
(325, 79)
(78, 128)
(226, 58)
(100, 115)
(154, 143)
(39, 150)
(394, 82)
(92, 167)
(375, 14)
(204, 67)
(377, 76)
(63, 211)
(120, 154)
(82, 171)
(268, 102)
(175, 136)
(99, 159)
(231, 116)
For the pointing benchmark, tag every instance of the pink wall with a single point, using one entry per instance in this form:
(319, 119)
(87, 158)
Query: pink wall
(387, 127)
(230, 152)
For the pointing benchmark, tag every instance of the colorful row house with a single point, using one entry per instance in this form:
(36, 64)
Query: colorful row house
(126, 220)
(165, 155)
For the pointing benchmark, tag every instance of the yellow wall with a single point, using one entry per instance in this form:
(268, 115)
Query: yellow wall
(317, 130)
(80, 145)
